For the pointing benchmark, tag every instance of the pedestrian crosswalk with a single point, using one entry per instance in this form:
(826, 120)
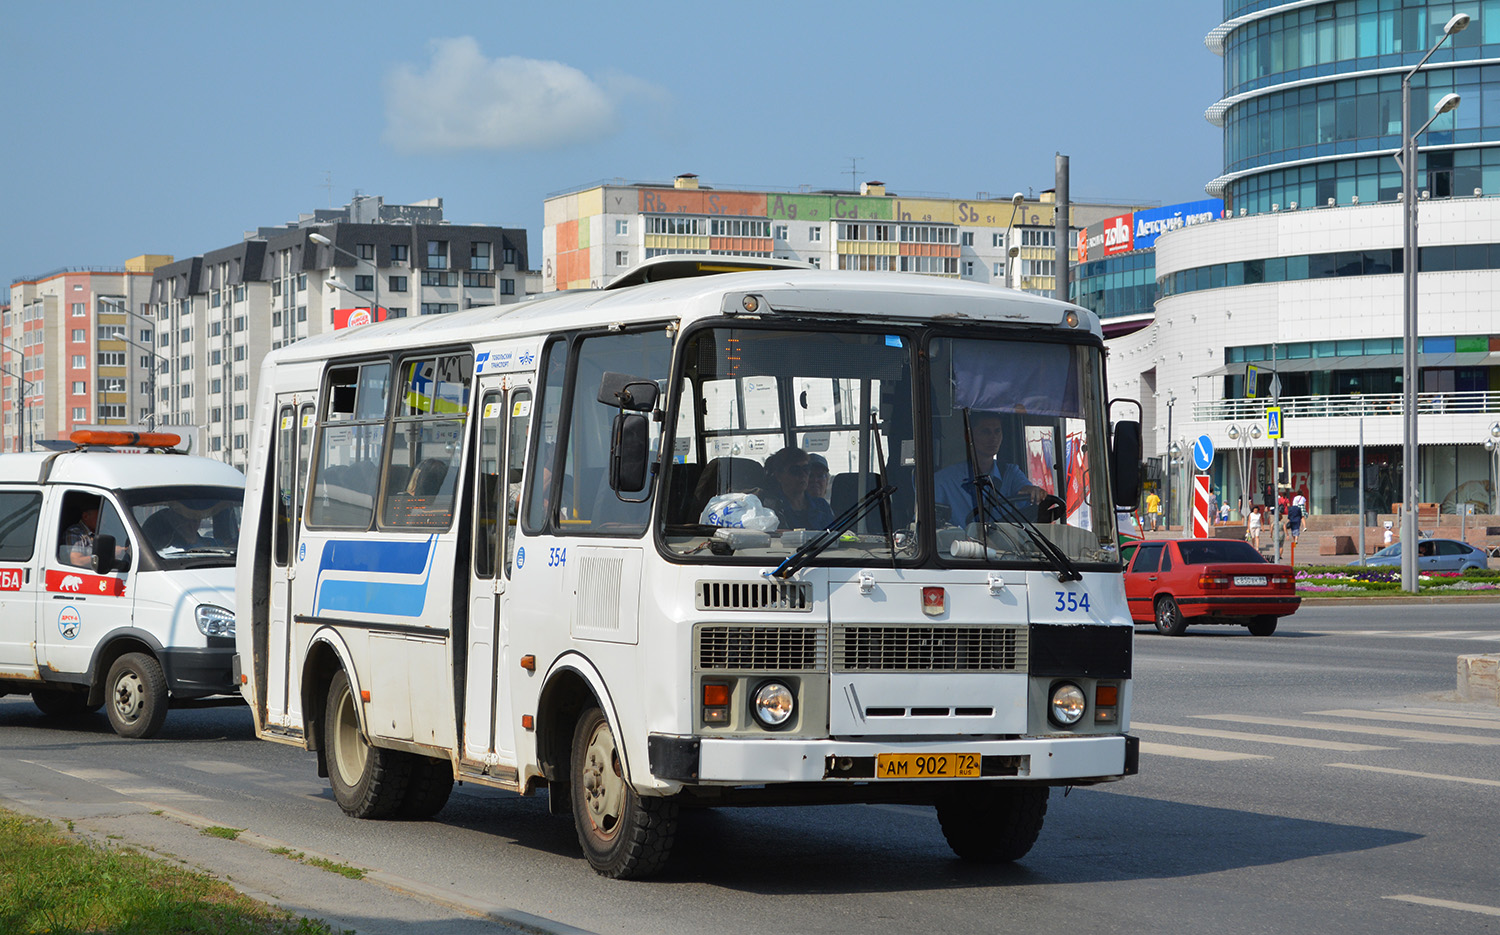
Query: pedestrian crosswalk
(1228, 737)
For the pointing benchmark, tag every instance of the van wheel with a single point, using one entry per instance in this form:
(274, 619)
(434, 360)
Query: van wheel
(429, 787)
(368, 782)
(60, 702)
(624, 835)
(136, 696)
(989, 825)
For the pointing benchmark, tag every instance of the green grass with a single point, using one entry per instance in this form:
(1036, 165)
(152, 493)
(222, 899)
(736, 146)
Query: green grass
(219, 831)
(53, 884)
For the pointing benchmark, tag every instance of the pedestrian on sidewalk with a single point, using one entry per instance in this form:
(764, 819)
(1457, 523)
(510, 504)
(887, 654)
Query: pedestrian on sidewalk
(1252, 528)
(1153, 510)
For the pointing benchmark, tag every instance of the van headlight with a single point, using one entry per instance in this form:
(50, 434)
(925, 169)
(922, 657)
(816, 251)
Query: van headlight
(214, 620)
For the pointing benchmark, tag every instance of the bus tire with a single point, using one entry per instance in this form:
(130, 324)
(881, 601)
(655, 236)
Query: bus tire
(367, 781)
(624, 835)
(60, 702)
(428, 788)
(990, 825)
(135, 693)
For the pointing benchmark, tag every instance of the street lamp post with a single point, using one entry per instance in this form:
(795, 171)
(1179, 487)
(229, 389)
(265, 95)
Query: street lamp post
(1166, 504)
(1245, 435)
(335, 283)
(1408, 162)
(23, 385)
(1011, 250)
(1492, 445)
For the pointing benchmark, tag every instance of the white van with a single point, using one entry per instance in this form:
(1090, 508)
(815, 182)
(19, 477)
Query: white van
(117, 577)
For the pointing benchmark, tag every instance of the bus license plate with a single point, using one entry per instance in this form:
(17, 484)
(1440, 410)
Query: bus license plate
(926, 765)
(1246, 581)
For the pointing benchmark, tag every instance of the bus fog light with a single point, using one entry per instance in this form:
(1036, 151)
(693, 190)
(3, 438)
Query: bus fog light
(772, 704)
(214, 620)
(1067, 704)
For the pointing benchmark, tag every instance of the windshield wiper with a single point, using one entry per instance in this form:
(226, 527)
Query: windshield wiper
(1064, 565)
(841, 524)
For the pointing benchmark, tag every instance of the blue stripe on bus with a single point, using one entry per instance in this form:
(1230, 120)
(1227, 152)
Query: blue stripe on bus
(389, 598)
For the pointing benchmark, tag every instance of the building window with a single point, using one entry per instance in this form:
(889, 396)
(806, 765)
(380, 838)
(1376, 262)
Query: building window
(815, 233)
(928, 234)
(239, 443)
(967, 239)
(779, 232)
(302, 313)
(145, 335)
(365, 251)
(622, 257)
(622, 227)
(112, 411)
(145, 360)
(185, 335)
(1038, 237)
(239, 410)
(239, 323)
(78, 335)
(997, 240)
(364, 283)
(968, 267)
(215, 443)
(930, 265)
(110, 358)
(239, 381)
(480, 280)
(738, 227)
(479, 256)
(507, 287)
(80, 387)
(396, 312)
(216, 385)
(816, 261)
(79, 413)
(215, 357)
(397, 283)
(185, 391)
(80, 309)
(999, 270)
(439, 308)
(439, 277)
(877, 262)
(239, 352)
(216, 414)
(677, 225)
(301, 282)
(851, 230)
(400, 252)
(239, 293)
(185, 362)
(437, 254)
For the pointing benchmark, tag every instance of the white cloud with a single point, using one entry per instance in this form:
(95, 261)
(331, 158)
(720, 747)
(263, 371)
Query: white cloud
(466, 101)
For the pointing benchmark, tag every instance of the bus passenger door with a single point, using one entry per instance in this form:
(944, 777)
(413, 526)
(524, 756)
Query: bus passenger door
(293, 431)
(489, 731)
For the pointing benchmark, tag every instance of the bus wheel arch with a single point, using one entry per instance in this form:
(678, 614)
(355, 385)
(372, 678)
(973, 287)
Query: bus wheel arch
(324, 660)
(566, 695)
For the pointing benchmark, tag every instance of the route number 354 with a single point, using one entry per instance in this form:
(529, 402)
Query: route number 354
(1071, 602)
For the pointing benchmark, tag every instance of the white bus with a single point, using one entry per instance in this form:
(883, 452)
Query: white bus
(539, 546)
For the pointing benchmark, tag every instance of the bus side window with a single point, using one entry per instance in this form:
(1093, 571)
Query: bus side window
(520, 422)
(286, 484)
(351, 440)
(488, 484)
(541, 492)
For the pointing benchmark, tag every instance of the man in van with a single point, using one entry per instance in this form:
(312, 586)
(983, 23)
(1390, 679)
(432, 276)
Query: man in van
(78, 539)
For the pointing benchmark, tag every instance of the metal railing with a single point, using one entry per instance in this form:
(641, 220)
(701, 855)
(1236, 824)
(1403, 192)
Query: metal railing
(1367, 404)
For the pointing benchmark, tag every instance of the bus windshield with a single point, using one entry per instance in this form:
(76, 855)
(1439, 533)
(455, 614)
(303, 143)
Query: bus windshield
(780, 432)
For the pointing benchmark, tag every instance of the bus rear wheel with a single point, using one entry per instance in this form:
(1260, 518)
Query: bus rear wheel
(368, 782)
(136, 696)
(990, 825)
(624, 835)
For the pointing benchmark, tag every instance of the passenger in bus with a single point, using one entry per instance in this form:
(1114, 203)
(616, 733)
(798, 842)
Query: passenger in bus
(954, 484)
(817, 476)
(788, 494)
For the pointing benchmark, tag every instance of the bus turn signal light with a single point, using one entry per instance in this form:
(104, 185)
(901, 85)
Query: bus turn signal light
(716, 696)
(528, 663)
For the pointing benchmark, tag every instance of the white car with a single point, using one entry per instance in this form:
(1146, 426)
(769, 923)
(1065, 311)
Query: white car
(135, 612)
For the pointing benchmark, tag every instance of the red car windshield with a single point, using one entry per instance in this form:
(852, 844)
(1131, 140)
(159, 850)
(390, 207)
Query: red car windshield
(1212, 551)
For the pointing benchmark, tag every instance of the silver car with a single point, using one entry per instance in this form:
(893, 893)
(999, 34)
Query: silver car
(1435, 555)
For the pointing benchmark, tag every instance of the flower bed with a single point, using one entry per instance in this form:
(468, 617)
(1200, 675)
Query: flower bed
(1357, 579)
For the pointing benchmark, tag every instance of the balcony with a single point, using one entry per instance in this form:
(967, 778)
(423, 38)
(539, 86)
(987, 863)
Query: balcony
(1371, 404)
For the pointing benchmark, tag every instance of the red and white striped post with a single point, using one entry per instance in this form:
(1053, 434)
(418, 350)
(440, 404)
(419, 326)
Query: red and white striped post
(1202, 519)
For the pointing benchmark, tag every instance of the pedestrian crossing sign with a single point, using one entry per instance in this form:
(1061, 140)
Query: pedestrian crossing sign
(1273, 422)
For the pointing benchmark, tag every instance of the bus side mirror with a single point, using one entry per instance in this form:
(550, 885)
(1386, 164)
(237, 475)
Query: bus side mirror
(104, 554)
(627, 392)
(1125, 463)
(628, 452)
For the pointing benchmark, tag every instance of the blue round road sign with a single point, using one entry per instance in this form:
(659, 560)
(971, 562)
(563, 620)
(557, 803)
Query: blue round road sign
(1203, 452)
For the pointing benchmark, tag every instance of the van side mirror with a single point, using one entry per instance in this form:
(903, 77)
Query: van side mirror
(104, 555)
(627, 392)
(1125, 463)
(628, 452)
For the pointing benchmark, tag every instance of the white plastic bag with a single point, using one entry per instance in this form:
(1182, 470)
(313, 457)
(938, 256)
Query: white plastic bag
(739, 511)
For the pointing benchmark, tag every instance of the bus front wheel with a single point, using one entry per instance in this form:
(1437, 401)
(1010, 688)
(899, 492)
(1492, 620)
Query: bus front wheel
(990, 825)
(624, 835)
(368, 782)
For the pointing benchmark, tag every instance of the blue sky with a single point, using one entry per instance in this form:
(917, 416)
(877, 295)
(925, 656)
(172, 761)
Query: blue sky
(163, 127)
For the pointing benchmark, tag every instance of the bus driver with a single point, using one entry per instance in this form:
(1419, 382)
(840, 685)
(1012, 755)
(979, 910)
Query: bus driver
(954, 484)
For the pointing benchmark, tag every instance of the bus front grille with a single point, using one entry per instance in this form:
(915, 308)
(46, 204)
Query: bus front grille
(929, 649)
(762, 648)
(754, 595)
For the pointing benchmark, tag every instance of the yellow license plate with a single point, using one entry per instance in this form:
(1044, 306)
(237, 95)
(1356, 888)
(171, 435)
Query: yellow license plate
(926, 765)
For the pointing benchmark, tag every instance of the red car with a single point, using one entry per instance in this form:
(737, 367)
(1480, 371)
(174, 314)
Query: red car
(1174, 582)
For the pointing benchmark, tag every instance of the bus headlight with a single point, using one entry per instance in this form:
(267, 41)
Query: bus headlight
(1067, 704)
(772, 704)
(214, 620)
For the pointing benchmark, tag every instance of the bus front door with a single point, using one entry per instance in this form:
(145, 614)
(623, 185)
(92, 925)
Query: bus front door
(279, 696)
(489, 729)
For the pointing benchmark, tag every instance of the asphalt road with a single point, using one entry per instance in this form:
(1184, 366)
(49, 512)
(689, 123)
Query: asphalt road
(1323, 779)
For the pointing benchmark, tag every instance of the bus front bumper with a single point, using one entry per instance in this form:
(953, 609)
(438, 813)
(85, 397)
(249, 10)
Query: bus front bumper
(740, 761)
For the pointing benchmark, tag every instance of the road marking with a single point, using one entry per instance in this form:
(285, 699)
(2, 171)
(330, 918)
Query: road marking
(1337, 745)
(1423, 735)
(126, 784)
(1469, 711)
(1196, 753)
(1447, 904)
(1416, 775)
(1411, 718)
(1488, 636)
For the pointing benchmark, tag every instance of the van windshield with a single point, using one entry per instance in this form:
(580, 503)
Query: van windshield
(188, 525)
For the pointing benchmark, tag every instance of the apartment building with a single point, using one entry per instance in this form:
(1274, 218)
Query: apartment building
(75, 350)
(596, 233)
